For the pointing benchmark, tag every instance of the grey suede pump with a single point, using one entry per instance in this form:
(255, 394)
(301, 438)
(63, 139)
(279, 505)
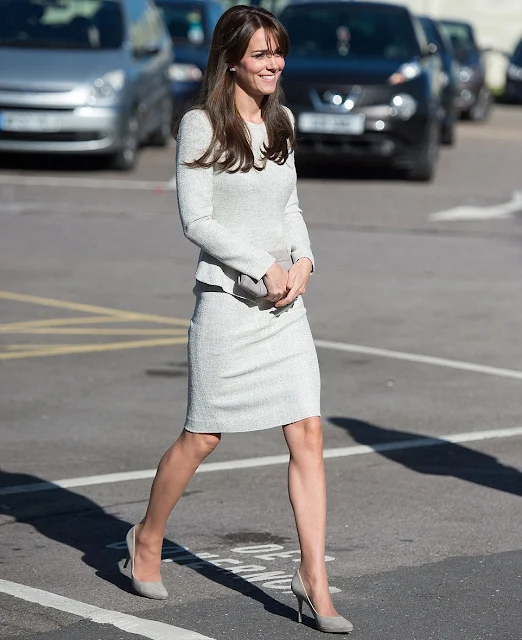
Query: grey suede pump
(326, 624)
(154, 590)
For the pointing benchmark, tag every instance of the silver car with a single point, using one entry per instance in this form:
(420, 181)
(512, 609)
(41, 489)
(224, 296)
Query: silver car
(84, 77)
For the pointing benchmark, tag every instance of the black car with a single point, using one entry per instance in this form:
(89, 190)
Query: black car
(440, 43)
(513, 91)
(474, 98)
(190, 24)
(363, 84)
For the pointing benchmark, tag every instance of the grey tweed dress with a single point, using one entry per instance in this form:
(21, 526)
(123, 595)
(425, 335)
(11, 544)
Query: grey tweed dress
(251, 365)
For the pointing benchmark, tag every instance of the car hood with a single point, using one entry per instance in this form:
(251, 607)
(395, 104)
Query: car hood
(186, 54)
(43, 69)
(336, 71)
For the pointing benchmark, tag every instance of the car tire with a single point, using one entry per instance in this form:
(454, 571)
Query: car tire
(447, 134)
(162, 136)
(424, 159)
(125, 158)
(482, 108)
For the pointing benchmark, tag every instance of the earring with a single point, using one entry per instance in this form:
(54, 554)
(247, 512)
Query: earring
(231, 68)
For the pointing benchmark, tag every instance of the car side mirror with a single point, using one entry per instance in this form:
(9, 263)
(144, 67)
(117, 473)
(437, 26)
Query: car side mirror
(149, 49)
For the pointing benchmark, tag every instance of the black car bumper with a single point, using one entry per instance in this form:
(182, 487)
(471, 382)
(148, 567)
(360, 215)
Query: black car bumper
(384, 140)
(513, 91)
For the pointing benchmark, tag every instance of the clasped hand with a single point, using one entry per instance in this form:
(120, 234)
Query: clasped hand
(284, 286)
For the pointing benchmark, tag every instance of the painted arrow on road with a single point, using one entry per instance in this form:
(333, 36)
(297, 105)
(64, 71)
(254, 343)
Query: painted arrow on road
(498, 212)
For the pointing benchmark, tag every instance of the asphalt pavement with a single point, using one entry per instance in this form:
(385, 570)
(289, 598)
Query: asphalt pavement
(416, 309)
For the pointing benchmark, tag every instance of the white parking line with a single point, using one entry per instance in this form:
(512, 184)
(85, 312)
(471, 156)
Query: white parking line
(420, 359)
(90, 183)
(131, 624)
(266, 461)
(495, 212)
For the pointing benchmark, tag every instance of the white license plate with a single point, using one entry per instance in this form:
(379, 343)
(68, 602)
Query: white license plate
(36, 122)
(331, 123)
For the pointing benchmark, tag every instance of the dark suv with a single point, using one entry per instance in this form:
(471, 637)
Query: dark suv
(363, 84)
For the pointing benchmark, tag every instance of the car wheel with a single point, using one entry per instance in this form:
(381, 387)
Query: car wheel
(447, 134)
(481, 109)
(161, 137)
(125, 158)
(425, 157)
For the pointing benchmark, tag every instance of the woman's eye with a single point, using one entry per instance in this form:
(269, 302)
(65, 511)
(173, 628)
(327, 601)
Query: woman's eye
(259, 55)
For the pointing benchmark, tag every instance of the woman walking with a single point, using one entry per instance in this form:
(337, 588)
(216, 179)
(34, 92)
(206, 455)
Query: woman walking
(252, 361)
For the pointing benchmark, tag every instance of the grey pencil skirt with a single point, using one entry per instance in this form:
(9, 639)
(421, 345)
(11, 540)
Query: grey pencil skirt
(251, 366)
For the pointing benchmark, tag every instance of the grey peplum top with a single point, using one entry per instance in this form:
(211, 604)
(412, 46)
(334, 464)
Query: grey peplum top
(236, 218)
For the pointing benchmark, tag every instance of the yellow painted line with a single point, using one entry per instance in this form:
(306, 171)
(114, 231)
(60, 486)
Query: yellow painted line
(26, 347)
(92, 348)
(79, 331)
(88, 308)
(60, 322)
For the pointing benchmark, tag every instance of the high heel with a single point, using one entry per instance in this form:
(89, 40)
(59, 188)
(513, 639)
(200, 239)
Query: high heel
(326, 624)
(154, 590)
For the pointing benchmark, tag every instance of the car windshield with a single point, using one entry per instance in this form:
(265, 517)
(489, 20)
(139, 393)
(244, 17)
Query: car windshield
(461, 36)
(61, 24)
(343, 31)
(185, 22)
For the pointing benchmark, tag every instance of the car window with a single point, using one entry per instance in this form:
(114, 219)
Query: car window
(68, 24)
(185, 22)
(461, 36)
(156, 24)
(142, 32)
(215, 11)
(344, 31)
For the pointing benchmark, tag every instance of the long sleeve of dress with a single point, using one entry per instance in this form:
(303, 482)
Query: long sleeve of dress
(295, 226)
(195, 202)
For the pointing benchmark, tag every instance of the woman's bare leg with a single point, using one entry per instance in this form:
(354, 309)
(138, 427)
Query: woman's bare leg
(176, 468)
(307, 491)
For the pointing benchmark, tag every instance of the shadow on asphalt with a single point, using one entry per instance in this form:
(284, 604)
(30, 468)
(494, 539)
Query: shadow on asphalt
(442, 459)
(78, 522)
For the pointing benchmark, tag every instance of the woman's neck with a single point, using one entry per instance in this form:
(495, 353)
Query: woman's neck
(249, 107)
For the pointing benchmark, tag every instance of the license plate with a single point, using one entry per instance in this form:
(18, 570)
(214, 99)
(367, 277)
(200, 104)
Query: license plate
(36, 122)
(331, 123)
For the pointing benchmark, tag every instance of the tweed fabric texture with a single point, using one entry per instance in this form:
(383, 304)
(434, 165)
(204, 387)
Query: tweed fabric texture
(236, 218)
(251, 366)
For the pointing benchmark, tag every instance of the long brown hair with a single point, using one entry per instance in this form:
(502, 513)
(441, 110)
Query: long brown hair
(230, 149)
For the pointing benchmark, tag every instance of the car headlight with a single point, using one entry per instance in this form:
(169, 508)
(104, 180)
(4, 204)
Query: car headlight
(514, 72)
(465, 74)
(185, 72)
(403, 106)
(405, 72)
(106, 87)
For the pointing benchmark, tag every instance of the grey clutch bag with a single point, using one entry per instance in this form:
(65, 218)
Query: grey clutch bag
(257, 288)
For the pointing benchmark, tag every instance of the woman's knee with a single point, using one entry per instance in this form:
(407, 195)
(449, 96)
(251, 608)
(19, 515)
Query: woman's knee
(306, 434)
(203, 444)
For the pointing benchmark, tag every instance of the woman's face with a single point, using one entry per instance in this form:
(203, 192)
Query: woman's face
(258, 72)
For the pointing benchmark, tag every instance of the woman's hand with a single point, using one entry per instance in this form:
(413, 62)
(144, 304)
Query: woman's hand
(275, 280)
(298, 277)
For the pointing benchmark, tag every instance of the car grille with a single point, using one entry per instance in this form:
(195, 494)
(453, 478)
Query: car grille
(55, 136)
(362, 95)
(11, 107)
(36, 89)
